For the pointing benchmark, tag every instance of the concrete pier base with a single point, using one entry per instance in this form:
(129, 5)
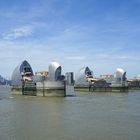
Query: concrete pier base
(45, 88)
(70, 90)
(100, 89)
(50, 88)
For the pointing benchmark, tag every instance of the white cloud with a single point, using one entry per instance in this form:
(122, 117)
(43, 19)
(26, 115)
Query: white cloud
(76, 57)
(18, 32)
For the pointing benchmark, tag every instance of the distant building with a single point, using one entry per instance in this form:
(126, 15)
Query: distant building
(134, 82)
(44, 73)
(138, 77)
(4, 81)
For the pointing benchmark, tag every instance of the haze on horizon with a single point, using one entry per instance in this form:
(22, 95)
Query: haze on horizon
(101, 34)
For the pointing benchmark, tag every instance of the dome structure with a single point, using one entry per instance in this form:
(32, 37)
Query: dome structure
(119, 73)
(120, 78)
(54, 71)
(81, 77)
(138, 77)
(22, 68)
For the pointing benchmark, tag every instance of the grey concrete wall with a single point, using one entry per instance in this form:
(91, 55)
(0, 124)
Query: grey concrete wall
(46, 88)
(70, 90)
(50, 84)
(50, 88)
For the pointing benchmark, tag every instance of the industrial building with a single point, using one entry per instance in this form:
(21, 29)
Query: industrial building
(43, 83)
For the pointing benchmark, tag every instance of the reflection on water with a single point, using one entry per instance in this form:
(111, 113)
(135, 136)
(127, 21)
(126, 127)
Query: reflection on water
(88, 116)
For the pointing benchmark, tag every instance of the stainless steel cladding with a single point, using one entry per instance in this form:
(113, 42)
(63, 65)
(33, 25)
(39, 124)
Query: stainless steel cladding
(54, 71)
(81, 77)
(120, 75)
(120, 78)
(22, 68)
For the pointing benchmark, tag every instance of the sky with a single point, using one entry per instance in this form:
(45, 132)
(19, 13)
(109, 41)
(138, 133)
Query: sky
(101, 34)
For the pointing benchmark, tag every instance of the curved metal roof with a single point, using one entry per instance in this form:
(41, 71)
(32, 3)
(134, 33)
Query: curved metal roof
(17, 73)
(80, 78)
(54, 71)
(119, 73)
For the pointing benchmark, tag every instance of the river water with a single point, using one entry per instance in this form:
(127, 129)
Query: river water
(88, 116)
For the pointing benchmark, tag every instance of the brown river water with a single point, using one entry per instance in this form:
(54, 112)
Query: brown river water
(88, 116)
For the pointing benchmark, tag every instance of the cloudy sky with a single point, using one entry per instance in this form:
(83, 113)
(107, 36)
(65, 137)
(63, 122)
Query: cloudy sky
(101, 34)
